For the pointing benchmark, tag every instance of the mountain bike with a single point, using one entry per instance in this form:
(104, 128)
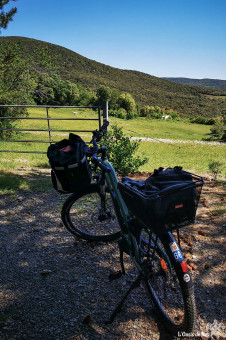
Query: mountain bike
(101, 212)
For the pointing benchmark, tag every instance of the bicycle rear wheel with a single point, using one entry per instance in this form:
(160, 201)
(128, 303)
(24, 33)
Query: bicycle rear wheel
(91, 216)
(168, 283)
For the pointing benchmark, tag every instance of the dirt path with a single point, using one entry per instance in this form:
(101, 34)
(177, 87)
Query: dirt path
(53, 289)
(175, 141)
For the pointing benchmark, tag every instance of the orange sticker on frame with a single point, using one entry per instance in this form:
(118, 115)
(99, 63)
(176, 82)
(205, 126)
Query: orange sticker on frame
(163, 264)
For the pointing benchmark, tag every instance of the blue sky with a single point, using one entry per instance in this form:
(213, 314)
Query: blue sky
(178, 38)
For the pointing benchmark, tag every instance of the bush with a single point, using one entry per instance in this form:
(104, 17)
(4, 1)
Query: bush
(127, 102)
(174, 115)
(218, 128)
(121, 151)
(154, 115)
(143, 112)
(215, 168)
(202, 120)
(210, 121)
(131, 115)
(121, 113)
(112, 113)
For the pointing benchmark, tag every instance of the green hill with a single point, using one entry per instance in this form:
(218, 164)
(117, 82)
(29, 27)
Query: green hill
(206, 82)
(146, 89)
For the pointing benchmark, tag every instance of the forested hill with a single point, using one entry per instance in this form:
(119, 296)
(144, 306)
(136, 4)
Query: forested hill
(145, 89)
(206, 82)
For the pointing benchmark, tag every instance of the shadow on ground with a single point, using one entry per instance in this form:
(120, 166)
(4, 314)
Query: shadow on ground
(52, 289)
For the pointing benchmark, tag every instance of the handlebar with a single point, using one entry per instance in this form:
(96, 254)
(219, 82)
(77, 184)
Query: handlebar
(97, 135)
(97, 161)
(104, 126)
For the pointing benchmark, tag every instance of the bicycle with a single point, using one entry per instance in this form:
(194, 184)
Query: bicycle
(99, 213)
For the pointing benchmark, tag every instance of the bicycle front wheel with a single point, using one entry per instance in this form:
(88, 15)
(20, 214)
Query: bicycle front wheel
(91, 216)
(168, 283)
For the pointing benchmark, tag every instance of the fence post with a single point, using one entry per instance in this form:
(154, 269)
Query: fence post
(47, 113)
(105, 111)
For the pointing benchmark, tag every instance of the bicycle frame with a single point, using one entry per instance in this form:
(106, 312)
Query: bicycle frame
(124, 219)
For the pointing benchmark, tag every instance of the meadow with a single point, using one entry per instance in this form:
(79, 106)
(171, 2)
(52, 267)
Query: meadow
(192, 156)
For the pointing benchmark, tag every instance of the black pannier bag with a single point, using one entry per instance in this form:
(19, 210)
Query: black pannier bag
(165, 201)
(69, 164)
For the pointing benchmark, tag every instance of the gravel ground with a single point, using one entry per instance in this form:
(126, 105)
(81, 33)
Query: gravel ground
(177, 141)
(54, 288)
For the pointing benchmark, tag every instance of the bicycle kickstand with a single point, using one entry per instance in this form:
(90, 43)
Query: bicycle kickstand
(116, 275)
(134, 285)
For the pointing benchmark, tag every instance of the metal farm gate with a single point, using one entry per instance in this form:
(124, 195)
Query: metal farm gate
(46, 117)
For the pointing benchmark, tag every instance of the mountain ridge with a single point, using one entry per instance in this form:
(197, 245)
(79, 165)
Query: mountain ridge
(146, 89)
(219, 84)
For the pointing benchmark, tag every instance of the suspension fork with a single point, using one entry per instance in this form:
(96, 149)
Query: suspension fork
(176, 257)
(102, 187)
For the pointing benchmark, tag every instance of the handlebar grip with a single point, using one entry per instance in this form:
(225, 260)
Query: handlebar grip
(104, 126)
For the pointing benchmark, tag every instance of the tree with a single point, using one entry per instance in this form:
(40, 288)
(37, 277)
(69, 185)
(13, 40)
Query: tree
(113, 102)
(127, 102)
(52, 90)
(103, 93)
(86, 97)
(6, 17)
(27, 81)
(15, 86)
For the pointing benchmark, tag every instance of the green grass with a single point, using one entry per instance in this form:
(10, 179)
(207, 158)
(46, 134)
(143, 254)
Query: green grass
(194, 157)
(179, 130)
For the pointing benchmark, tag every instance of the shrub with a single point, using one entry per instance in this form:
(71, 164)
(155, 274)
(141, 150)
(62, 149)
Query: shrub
(218, 128)
(174, 115)
(154, 115)
(202, 120)
(216, 168)
(112, 113)
(127, 102)
(121, 151)
(143, 112)
(121, 113)
(131, 115)
(210, 121)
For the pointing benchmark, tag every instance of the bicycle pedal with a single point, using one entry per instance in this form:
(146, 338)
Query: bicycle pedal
(115, 275)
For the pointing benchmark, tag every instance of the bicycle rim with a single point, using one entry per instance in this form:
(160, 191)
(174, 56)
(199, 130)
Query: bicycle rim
(165, 285)
(84, 216)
